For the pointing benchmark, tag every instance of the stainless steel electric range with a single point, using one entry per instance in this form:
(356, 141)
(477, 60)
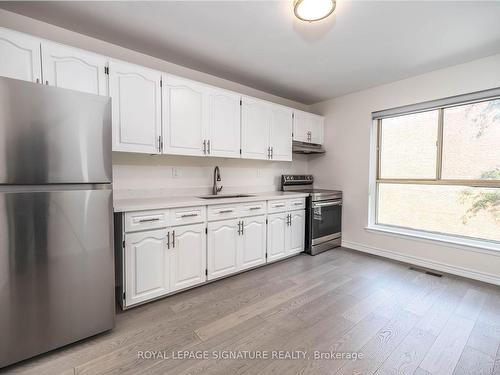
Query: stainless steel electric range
(323, 213)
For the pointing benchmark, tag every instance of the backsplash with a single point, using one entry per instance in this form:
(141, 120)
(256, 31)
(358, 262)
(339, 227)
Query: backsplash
(140, 175)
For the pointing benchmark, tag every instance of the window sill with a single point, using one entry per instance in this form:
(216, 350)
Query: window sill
(489, 247)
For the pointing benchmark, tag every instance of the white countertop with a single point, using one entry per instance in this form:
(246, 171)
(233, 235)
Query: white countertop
(150, 203)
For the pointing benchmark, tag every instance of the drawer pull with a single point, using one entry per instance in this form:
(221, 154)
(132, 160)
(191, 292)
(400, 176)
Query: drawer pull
(254, 208)
(225, 211)
(189, 215)
(279, 205)
(297, 204)
(148, 220)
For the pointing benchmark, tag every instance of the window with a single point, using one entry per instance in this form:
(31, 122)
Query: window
(438, 170)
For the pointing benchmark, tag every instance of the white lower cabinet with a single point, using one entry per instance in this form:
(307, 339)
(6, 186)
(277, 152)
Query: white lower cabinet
(285, 234)
(167, 250)
(147, 266)
(223, 238)
(252, 242)
(277, 226)
(187, 256)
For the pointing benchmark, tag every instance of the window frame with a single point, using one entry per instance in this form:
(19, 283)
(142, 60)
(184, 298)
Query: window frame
(376, 179)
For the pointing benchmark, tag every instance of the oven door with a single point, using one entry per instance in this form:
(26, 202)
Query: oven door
(326, 221)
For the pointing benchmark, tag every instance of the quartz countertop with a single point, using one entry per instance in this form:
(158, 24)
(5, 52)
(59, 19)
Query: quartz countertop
(153, 203)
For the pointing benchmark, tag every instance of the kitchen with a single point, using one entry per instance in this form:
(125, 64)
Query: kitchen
(211, 216)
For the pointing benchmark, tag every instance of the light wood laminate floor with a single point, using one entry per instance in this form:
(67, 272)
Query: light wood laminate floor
(402, 321)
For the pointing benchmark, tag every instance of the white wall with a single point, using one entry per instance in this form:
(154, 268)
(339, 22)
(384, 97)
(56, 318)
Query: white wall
(346, 163)
(138, 174)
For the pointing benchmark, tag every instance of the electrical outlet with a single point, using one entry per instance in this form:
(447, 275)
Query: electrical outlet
(176, 172)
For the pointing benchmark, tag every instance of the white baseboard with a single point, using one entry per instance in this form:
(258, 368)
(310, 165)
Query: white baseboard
(426, 263)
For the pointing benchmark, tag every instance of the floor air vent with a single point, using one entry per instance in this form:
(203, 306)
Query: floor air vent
(425, 271)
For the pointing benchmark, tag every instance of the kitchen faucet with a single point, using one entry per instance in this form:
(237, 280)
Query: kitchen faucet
(216, 189)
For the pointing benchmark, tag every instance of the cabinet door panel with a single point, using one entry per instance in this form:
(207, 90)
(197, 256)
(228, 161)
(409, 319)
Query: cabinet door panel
(73, 69)
(296, 232)
(281, 133)
(187, 256)
(184, 114)
(147, 266)
(222, 248)
(253, 242)
(317, 125)
(255, 116)
(20, 56)
(136, 108)
(224, 123)
(276, 236)
(300, 126)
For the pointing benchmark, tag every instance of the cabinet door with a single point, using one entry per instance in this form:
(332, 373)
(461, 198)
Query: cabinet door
(20, 56)
(255, 117)
(222, 251)
(136, 108)
(295, 242)
(281, 133)
(184, 116)
(276, 236)
(187, 256)
(223, 123)
(74, 69)
(146, 266)
(317, 127)
(253, 242)
(301, 126)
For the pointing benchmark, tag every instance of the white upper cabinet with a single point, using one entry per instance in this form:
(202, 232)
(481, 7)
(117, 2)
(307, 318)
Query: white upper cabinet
(20, 56)
(184, 116)
(255, 122)
(280, 133)
(187, 256)
(308, 127)
(223, 132)
(74, 69)
(136, 108)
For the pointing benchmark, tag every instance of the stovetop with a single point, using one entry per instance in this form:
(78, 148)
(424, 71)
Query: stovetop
(304, 184)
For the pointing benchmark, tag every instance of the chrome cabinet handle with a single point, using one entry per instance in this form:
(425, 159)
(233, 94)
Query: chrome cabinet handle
(189, 215)
(225, 211)
(242, 228)
(208, 147)
(204, 147)
(254, 208)
(279, 205)
(297, 204)
(168, 240)
(239, 228)
(173, 238)
(149, 220)
(272, 152)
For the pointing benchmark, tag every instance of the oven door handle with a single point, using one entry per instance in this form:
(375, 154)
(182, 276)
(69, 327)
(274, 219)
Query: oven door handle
(337, 203)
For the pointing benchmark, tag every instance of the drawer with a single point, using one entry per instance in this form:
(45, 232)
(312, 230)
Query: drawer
(277, 206)
(296, 204)
(187, 215)
(252, 208)
(142, 220)
(223, 211)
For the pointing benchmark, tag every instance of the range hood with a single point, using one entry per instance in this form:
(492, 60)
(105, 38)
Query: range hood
(307, 148)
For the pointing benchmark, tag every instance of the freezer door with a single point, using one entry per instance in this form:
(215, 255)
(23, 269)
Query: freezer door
(56, 269)
(53, 135)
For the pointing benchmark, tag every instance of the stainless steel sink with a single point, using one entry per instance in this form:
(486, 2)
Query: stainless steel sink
(221, 196)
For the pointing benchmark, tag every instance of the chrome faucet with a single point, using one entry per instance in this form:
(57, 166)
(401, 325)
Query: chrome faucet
(216, 189)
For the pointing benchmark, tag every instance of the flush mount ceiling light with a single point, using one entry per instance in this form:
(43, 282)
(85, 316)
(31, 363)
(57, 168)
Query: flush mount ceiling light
(313, 10)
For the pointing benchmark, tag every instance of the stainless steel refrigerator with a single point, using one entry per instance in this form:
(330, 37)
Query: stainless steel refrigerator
(56, 244)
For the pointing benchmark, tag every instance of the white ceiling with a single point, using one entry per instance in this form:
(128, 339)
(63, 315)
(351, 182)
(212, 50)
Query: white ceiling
(260, 44)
